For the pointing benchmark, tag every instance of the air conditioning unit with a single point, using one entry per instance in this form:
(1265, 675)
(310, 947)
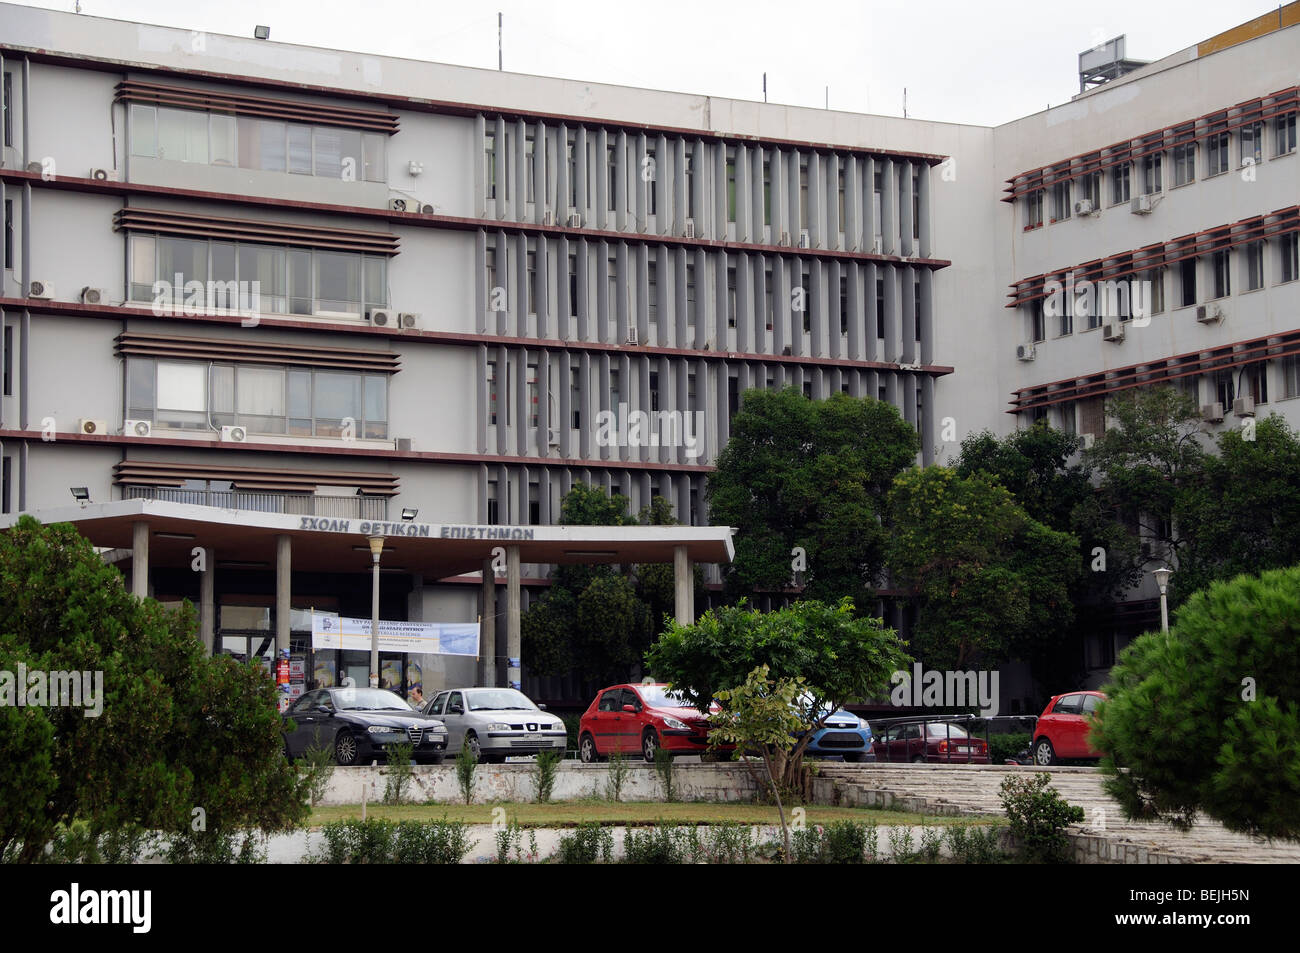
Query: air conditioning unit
(382, 317)
(426, 210)
(548, 217)
(1244, 407)
(40, 289)
(403, 444)
(1025, 352)
(690, 228)
(785, 238)
(1141, 205)
(1113, 331)
(1083, 207)
(632, 335)
(408, 320)
(233, 434)
(1208, 315)
(575, 220)
(402, 204)
(805, 240)
(90, 426)
(552, 437)
(137, 428)
(35, 167)
(104, 175)
(1086, 440)
(1212, 412)
(94, 296)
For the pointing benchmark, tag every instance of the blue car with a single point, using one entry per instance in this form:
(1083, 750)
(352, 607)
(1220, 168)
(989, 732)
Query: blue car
(844, 734)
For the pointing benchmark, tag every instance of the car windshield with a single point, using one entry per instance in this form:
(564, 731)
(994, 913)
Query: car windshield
(946, 730)
(368, 699)
(660, 696)
(499, 699)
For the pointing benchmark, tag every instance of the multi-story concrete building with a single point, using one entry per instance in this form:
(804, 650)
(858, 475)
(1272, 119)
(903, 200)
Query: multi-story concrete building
(269, 277)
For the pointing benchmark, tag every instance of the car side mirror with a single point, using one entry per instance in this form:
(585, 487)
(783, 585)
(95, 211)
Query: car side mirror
(630, 709)
(541, 708)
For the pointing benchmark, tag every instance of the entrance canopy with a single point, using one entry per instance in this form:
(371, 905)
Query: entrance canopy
(329, 544)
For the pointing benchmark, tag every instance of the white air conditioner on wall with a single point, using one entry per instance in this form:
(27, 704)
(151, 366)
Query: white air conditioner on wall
(690, 228)
(1026, 352)
(403, 444)
(408, 320)
(1212, 412)
(632, 335)
(575, 220)
(1209, 314)
(104, 175)
(1244, 407)
(94, 296)
(137, 428)
(40, 289)
(805, 239)
(1083, 207)
(1141, 205)
(1113, 331)
(382, 317)
(1086, 440)
(233, 434)
(91, 426)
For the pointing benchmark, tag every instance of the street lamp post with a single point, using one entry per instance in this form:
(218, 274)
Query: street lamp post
(376, 547)
(1162, 580)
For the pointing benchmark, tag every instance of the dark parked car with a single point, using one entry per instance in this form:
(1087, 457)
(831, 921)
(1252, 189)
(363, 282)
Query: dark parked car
(1062, 730)
(930, 741)
(360, 724)
(640, 718)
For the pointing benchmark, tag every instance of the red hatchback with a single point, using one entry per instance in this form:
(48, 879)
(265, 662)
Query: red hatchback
(640, 718)
(1062, 730)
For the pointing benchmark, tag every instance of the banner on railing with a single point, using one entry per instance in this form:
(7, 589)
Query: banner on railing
(331, 631)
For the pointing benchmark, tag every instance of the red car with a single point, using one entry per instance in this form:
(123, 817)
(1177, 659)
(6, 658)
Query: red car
(933, 741)
(1062, 730)
(640, 718)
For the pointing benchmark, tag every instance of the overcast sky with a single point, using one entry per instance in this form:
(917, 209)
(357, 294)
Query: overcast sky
(971, 61)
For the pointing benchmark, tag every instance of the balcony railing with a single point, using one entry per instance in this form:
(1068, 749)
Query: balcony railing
(304, 504)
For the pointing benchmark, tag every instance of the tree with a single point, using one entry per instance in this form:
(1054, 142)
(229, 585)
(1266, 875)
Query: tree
(810, 474)
(841, 658)
(989, 581)
(1243, 516)
(182, 742)
(1206, 718)
(761, 715)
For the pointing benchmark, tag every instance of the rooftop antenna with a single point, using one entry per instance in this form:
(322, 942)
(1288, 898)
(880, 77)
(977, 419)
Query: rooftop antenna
(499, 20)
(764, 87)
(904, 102)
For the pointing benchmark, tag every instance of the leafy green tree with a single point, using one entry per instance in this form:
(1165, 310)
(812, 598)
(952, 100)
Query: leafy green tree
(988, 580)
(762, 715)
(811, 474)
(184, 744)
(1206, 718)
(1243, 516)
(840, 656)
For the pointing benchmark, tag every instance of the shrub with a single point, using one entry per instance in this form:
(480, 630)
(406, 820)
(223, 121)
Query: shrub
(318, 762)
(973, 845)
(1039, 816)
(466, 765)
(544, 775)
(385, 842)
(664, 768)
(658, 845)
(617, 776)
(399, 772)
(589, 843)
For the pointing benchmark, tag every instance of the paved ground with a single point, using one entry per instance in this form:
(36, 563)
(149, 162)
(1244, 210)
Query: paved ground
(973, 789)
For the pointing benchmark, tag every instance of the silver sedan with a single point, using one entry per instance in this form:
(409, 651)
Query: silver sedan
(496, 723)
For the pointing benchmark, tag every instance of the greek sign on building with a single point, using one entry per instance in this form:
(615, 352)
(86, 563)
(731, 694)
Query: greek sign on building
(330, 631)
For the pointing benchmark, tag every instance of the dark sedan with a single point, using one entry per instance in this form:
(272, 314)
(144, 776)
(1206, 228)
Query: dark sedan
(359, 724)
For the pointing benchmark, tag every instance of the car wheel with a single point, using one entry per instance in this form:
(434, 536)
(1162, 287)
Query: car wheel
(649, 742)
(587, 750)
(346, 753)
(1044, 754)
(476, 749)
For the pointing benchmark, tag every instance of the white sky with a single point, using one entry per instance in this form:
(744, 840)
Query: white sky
(971, 61)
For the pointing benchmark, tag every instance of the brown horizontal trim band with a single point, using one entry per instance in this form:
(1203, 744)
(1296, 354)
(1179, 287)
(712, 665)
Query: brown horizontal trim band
(465, 339)
(197, 225)
(320, 114)
(411, 456)
(1149, 143)
(1221, 237)
(442, 107)
(173, 474)
(455, 222)
(256, 351)
(1222, 357)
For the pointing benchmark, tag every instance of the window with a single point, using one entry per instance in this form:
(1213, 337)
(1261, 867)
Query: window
(8, 119)
(490, 164)
(806, 284)
(1090, 187)
(916, 210)
(575, 397)
(1284, 135)
(654, 390)
(532, 282)
(1187, 282)
(652, 171)
(916, 291)
(270, 279)
(1287, 247)
(573, 286)
(652, 291)
(1151, 169)
(731, 297)
(844, 305)
(1155, 283)
(1223, 388)
(1119, 183)
(803, 194)
(8, 362)
(880, 308)
(1251, 140)
(187, 135)
(1034, 209)
(571, 158)
(269, 400)
(1184, 159)
(529, 178)
(1257, 383)
(1216, 151)
(767, 192)
(9, 233)
(690, 185)
(1037, 321)
(1219, 274)
(6, 471)
(731, 184)
(1059, 197)
(492, 392)
(612, 189)
(532, 396)
(1254, 266)
(1291, 376)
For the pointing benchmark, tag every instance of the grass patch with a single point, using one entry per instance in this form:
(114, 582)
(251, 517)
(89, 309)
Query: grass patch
(575, 813)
